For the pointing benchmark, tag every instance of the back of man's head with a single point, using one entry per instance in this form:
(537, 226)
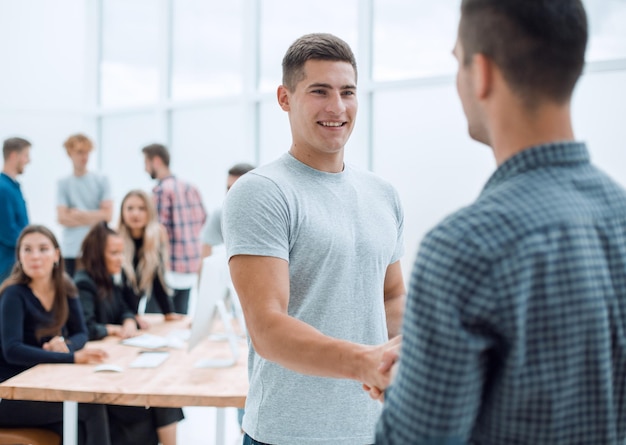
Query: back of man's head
(240, 169)
(539, 45)
(14, 145)
(157, 151)
(314, 47)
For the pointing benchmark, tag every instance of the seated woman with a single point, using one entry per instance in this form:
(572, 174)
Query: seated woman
(41, 321)
(145, 253)
(107, 313)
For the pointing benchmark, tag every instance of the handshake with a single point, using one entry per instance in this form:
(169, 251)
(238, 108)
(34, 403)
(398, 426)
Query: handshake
(385, 364)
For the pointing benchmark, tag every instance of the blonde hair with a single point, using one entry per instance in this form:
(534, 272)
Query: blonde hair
(153, 253)
(77, 139)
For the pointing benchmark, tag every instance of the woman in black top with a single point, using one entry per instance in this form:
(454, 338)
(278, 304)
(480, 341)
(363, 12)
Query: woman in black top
(145, 252)
(107, 313)
(41, 321)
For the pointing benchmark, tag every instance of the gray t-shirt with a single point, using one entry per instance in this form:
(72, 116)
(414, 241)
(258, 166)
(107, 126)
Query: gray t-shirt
(339, 232)
(84, 193)
(212, 230)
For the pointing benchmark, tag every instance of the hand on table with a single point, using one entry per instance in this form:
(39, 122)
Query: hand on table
(90, 355)
(56, 344)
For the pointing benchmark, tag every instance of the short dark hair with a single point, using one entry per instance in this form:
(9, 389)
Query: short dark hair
(14, 145)
(539, 45)
(157, 151)
(314, 47)
(240, 169)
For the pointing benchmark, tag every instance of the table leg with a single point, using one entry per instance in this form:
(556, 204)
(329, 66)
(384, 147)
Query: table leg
(220, 426)
(70, 423)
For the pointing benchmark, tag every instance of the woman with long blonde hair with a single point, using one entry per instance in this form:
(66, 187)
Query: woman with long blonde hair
(145, 252)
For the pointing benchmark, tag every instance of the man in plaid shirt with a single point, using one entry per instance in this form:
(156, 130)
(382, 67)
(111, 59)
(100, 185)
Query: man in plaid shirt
(180, 210)
(515, 327)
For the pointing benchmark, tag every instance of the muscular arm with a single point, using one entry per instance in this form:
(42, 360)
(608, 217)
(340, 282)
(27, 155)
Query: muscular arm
(262, 284)
(72, 217)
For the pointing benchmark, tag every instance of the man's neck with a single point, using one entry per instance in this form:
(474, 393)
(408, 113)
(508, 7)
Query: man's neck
(329, 163)
(516, 132)
(163, 174)
(10, 172)
(82, 171)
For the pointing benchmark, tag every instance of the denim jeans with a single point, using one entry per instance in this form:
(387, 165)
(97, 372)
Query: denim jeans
(247, 440)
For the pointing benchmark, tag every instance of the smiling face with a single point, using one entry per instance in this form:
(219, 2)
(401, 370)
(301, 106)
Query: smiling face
(114, 254)
(322, 109)
(37, 256)
(135, 214)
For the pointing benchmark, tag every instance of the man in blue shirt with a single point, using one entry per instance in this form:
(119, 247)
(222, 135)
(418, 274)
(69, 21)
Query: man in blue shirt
(515, 326)
(13, 214)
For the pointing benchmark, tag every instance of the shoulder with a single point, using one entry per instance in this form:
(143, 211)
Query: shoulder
(15, 292)
(6, 184)
(98, 178)
(83, 280)
(65, 180)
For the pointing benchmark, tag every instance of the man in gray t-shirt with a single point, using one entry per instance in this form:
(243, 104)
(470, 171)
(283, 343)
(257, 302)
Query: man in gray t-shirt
(314, 248)
(83, 199)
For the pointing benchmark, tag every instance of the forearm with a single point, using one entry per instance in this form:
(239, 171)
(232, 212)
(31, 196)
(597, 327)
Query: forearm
(85, 217)
(301, 348)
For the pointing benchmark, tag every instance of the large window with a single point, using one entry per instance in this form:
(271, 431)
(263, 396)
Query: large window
(607, 31)
(283, 21)
(413, 39)
(130, 52)
(207, 52)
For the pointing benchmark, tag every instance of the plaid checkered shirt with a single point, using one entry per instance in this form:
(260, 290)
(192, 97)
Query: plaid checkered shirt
(515, 326)
(180, 210)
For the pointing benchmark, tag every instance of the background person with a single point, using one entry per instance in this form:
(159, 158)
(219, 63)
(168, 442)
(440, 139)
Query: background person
(107, 314)
(83, 199)
(145, 253)
(212, 231)
(41, 321)
(179, 208)
(514, 327)
(16, 154)
(314, 247)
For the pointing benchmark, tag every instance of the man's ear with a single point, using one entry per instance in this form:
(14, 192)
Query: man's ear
(482, 67)
(282, 95)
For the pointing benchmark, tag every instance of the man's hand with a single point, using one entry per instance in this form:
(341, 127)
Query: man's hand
(386, 369)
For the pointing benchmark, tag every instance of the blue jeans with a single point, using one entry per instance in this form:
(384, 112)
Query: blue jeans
(247, 440)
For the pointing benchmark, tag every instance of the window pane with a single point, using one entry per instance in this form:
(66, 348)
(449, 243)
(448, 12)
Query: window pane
(413, 39)
(607, 33)
(130, 52)
(123, 137)
(207, 48)
(206, 142)
(284, 21)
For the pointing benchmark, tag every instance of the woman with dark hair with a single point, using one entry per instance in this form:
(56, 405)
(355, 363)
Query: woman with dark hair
(41, 321)
(104, 306)
(107, 313)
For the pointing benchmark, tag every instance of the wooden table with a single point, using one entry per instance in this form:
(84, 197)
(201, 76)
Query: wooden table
(175, 383)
